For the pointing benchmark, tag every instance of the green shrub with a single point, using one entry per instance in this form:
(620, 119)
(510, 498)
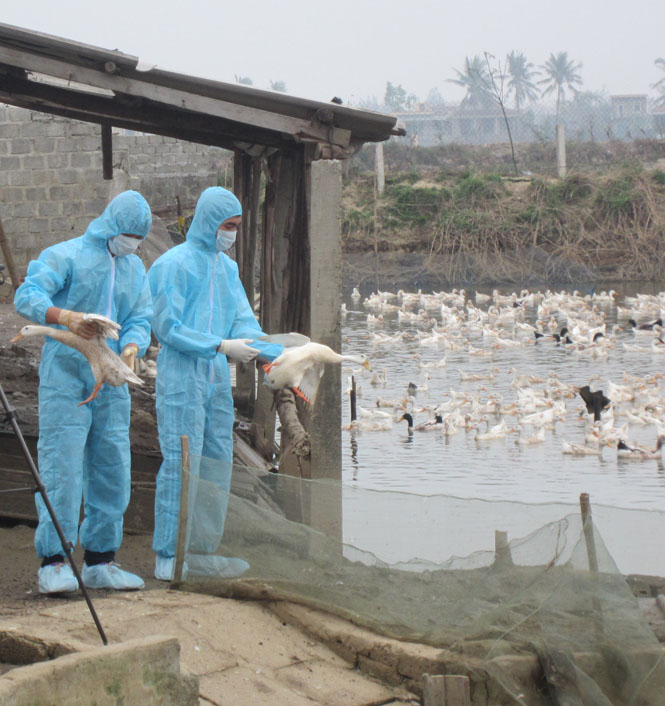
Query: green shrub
(659, 177)
(617, 197)
(408, 205)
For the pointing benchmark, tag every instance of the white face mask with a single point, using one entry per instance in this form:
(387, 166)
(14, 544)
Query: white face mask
(123, 245)
(225, 239)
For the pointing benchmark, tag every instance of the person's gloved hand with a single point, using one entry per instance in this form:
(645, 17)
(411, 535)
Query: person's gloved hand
(128, 355)
(75, 322)
(237, 349)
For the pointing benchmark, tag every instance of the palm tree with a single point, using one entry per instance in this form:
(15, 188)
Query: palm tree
(520, 82)
(475, 79)
(560, 73)
(660, 84)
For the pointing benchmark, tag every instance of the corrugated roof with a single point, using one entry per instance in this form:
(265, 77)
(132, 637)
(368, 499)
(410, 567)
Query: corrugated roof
(50, 74)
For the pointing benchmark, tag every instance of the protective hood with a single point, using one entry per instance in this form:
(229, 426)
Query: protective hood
(214, 206)
(127, 213)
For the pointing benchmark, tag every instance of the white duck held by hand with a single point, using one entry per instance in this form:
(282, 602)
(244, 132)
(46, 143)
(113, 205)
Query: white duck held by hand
(301, 364)
(107, 366)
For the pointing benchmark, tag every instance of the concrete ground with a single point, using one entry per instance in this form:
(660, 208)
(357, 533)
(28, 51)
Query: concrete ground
(243, 653)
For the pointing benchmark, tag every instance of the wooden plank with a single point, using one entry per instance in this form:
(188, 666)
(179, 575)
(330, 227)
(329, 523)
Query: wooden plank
(155, 118)
(434, 690)
(28, 39)
(446, 690)
(169, 96)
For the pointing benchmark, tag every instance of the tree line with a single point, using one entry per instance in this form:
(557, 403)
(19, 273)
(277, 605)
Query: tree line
(516, 80)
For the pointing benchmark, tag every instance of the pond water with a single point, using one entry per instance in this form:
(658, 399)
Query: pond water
(521, 486)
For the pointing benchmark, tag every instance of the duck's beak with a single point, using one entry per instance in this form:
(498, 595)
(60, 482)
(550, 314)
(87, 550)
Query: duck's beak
(367, 365)
(16, 338)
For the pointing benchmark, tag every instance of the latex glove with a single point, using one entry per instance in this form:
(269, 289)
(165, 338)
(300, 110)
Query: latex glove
(74, 321)
(237, 349)
(128, 355)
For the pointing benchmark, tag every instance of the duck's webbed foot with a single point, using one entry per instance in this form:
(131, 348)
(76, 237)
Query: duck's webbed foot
(94, 393)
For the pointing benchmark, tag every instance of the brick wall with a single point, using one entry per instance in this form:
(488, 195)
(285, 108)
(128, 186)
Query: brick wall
(51, 182)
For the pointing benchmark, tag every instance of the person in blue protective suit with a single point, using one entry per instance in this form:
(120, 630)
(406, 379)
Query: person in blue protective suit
(201, 318)
(84, 451)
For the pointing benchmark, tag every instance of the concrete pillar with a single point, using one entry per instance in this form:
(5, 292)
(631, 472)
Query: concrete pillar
(380, 170)
(561, 151)
(326, 327)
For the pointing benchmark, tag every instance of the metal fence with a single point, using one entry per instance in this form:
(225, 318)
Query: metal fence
(626, 118)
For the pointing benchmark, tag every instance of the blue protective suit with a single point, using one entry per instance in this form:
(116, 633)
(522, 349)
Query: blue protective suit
(84, 451)
(198, 301)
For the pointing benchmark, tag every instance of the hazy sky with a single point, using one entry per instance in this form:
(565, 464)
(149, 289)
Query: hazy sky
(350, 48)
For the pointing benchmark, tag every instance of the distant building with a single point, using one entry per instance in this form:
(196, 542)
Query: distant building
(624, 106)
(427, 127)
(630, 118)
(658, 115)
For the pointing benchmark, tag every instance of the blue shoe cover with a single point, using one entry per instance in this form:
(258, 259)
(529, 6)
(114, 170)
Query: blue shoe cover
(165, 566)
(57, 578)
(110, 576)
(216, 566)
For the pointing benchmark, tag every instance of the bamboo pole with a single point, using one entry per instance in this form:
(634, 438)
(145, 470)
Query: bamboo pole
(181, 539)
(9, 258)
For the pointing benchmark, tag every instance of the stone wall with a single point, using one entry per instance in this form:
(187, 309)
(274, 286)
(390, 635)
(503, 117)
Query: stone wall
(51, 182)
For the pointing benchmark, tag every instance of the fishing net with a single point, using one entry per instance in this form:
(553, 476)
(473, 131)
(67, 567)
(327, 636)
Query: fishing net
(547, 618)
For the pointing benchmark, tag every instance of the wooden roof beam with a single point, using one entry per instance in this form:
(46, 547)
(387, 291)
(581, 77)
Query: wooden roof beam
(134, 114)
(296, 127)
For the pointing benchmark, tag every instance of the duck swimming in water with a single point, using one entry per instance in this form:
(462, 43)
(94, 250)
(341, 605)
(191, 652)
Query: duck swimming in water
(625, 450)
(431, 425)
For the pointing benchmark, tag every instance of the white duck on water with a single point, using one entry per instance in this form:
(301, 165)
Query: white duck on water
(107, 367)
(301, 364)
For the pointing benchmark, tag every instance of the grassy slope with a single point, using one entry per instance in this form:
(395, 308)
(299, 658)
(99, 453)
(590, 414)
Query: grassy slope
(606, 216)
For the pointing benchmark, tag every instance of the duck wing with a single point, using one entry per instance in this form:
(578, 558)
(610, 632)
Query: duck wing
(309, 384)
(107, 328)
(288, 340)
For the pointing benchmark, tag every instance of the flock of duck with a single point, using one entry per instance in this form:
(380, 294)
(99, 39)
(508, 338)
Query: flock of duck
(479, 328)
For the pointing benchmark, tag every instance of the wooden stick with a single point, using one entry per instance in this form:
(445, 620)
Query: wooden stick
(587, 525)
(181, 540)
(107, 151)
(353, 399)
(9, 258)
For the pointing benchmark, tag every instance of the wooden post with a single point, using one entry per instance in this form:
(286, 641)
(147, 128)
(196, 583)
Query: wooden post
(277, 216)
(9, 258)
(181, 540)
(107, 151)
(245, 258)
(446, 690)
(502, 555)
(587, 525)
(561, 151)
(353, 398)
